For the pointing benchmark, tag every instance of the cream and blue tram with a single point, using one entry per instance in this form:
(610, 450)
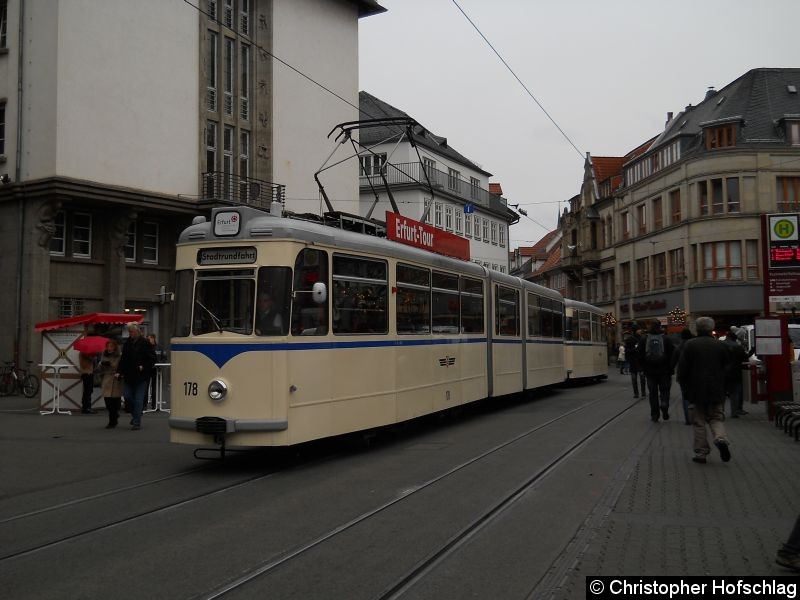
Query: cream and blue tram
(585, 347)
(363, 332)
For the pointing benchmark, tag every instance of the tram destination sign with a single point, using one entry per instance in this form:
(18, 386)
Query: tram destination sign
(236, 255)
(421, 235)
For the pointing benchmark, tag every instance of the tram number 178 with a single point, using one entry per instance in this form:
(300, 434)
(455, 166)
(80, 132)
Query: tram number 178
(190, 388)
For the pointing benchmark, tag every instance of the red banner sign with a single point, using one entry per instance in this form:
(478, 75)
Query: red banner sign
(421, 235)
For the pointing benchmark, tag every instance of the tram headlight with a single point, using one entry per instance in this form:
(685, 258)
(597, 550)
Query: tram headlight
(217, 390)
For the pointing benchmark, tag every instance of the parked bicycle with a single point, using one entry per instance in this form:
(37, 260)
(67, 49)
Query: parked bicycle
(13, 379)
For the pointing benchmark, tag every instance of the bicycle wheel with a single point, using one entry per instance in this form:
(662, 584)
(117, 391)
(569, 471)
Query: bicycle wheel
(6, 384)
(30, 385)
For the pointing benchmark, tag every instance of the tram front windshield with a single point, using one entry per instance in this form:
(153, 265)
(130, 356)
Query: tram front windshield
(226, 300)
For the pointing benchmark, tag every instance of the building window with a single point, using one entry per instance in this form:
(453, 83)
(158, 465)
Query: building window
(502, 236)
(722, 136)
(658, 214)
(486, 230)
(150, 243)
(227, 66)
(788, 193)
(211, 9)
(211, 74)
(426, 211)
(752, 259)
(2, 128)
(82, 235)
(625, 278)
(677, 268)
(448, 217)
(675, 205)
(717, 205)
(722, 261)
(474, 187)
(732, 197)
(459, 221)
(641, 217)
(702, 194)
(371, 164)
(70, 307)
(437, 215)
(244, 164)
(626, 233)
(453, 180)
(429, 167)
(244, 91)
(468, 225)
(659, 271)
(130, 243)
(244, 10)
(58, 241)
(227, 160)
(211, 146)
(494, 233)
(3, 23)
(228, 14)
(642, 275)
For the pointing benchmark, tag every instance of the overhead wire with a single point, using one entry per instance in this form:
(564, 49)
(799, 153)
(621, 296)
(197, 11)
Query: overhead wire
(525, 87)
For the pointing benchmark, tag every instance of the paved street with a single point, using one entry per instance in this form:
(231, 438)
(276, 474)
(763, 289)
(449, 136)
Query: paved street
(79, 504)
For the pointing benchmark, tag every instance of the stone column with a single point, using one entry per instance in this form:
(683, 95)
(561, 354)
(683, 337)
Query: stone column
(115, 280)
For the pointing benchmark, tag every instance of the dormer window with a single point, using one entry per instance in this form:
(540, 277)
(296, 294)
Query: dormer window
(720, 136)
(793, 132)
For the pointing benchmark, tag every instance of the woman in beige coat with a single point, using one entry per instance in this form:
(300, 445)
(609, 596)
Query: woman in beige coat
(111, 384)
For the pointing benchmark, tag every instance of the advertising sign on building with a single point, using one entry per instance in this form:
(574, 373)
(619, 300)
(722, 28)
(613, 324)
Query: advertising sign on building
(421, 235)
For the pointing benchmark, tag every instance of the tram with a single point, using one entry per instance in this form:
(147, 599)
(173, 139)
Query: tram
(585, 345)
(289, 331)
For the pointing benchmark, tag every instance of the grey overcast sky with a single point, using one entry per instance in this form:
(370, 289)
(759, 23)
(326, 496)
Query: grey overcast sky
(606, 71)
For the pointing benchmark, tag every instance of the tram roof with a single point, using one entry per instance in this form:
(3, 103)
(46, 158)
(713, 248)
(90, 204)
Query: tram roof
(582, 306)
(258, 225)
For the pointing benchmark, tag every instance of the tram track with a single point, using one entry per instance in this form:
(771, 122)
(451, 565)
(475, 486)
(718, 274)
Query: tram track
(457, 540)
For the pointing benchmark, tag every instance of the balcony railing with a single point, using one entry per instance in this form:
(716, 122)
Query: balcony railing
(412, 174)
(216, 186)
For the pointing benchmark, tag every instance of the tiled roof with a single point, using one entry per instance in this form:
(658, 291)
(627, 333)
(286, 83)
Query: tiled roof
(607, 166)
(552, 261)
(496, 189)
(539, 249)
(375, 108)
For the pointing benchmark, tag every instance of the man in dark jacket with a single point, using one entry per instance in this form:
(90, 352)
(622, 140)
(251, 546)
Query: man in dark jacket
(655, 355)
(135, 367)
(701, 370)
(634, 366)
(733, 376)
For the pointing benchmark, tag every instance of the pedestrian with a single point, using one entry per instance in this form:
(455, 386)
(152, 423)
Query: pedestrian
(733, 376)
(86, 368)
(111, 385)
(686, 334)
(634, 364)
(701, 369)
(789, 554)
(269, 320)
(655, 353)
(135, 367)
(161, 357)
(621, 359)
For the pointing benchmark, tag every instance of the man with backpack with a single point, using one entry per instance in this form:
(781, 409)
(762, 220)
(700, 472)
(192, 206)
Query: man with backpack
(655, 354)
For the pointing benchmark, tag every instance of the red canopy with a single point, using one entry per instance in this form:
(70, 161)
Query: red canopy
(89, 319)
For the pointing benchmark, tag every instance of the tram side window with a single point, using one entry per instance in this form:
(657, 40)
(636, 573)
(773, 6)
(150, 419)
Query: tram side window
(308, 317)
(585, 325)
(506, 311)
(445, 303)
(471, 305)
(534, 326)
(595, 327)
(546, 316)
(569, 327)
(184, 279)
(413, 300)
(273, 301)
(359, 295)
(558, 319)
(223, 301)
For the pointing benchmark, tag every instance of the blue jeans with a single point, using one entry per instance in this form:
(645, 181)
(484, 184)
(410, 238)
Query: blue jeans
(134, 395)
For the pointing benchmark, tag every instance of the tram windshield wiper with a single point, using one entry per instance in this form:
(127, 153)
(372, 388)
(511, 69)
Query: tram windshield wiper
(216, 320)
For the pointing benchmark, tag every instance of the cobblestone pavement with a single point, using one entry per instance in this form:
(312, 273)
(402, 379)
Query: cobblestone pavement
(669, 516)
